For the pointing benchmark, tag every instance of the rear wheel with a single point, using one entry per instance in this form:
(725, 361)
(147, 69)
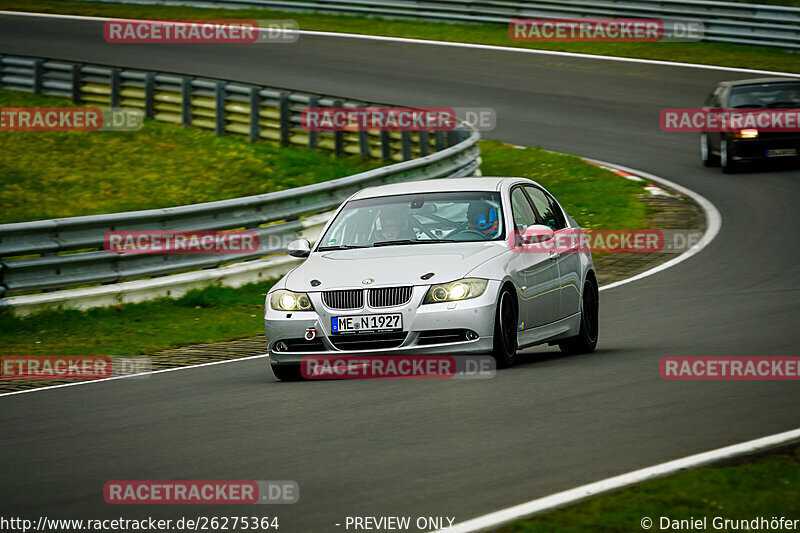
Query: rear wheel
(709, 159)
(586, 340)
(505, 330)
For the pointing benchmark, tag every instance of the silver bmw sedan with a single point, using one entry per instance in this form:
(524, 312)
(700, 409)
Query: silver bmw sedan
(451, 266)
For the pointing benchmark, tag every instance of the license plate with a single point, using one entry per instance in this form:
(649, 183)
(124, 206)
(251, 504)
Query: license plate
(782, 152)
(366, 323)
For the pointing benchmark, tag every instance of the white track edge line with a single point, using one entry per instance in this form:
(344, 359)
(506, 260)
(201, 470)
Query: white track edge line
(571, 496)
(141, 374)
(455, 44)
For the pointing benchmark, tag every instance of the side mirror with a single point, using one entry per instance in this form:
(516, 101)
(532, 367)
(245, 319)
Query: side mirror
(537, 234)
(299, 248)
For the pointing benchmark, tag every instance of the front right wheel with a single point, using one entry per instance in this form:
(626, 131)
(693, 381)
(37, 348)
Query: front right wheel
(586, 339)
(709, 159)
(290, 372)
(729, 166)
(505, 330)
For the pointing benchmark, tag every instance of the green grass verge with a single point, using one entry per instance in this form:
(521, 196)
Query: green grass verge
(593, 196)
(767, 486)
(202, 315)
(496, 34)
(60, 174)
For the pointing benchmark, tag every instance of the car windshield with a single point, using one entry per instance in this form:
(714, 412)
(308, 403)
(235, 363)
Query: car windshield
(765, 95)
(422, 218)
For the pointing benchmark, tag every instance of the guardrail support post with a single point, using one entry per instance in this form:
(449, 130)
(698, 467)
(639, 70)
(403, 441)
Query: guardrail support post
(452, 138)
(284, 110)
(439, 141)
(363, 143)
(424, 144)
(313, 136)
(219, 109)
(255, 114)
(149, 95)
(386, 146)
(186, 102)
(76, 84)
(115, 96)
(38, 71)
(338, 136)
(405, 140)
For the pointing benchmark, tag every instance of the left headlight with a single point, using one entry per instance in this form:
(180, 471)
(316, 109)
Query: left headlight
(283, 300)
(461, 289)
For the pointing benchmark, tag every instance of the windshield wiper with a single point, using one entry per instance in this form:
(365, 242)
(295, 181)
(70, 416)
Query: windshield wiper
(751, 106)
(784, 104)
(339, 247)
(409, 241)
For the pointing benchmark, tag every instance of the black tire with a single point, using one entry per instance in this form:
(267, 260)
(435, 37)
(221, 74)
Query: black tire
(586, 339)
(505, 329)
(287, 372)
(729, 166)
(709, 159)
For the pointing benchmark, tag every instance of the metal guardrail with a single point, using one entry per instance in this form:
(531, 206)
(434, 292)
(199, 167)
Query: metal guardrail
(67, 252)
(260, 113)
(728, 22)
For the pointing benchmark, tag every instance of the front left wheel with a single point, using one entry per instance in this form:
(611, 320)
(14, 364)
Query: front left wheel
(505, 329)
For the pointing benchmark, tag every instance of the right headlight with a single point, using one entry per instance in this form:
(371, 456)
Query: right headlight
(283, 300)
(462, 289)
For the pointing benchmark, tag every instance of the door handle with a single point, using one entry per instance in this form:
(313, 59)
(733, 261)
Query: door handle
(554, 256)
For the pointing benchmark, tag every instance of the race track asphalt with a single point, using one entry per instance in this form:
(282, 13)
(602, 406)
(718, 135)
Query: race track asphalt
(439, 448)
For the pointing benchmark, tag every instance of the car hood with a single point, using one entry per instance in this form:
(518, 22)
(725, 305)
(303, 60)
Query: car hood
(391, 265)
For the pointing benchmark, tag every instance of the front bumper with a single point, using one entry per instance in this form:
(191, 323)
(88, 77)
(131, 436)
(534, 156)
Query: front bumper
(430, 329)
(758, 149)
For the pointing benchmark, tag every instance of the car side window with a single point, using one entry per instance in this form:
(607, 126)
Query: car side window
(549, 213)
(521, 210)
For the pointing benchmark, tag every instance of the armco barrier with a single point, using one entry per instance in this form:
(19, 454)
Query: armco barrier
(55, 254)
(728, 22)
(260, 113)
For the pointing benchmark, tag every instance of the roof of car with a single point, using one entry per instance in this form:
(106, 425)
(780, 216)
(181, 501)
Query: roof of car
(757, 81)
(437, 185)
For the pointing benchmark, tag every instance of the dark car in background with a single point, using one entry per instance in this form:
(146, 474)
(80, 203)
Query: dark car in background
(730, 149)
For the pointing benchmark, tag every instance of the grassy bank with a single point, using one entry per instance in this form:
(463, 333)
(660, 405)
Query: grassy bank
(61, 174)
(767, 486)
(207, 315)
(494, 34)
